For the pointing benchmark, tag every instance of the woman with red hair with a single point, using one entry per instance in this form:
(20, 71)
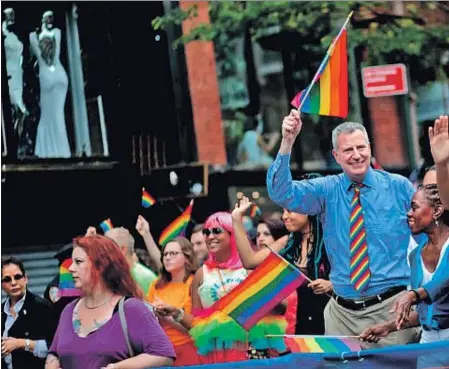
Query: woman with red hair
(90, 333)
(222, 339)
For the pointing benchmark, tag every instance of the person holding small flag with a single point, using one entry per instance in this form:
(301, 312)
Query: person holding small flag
(304, 249)
(366, 234)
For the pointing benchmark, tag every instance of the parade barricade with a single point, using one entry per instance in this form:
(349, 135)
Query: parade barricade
(414, 356)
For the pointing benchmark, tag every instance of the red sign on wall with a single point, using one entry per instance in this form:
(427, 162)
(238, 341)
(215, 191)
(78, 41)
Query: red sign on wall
(384, 80)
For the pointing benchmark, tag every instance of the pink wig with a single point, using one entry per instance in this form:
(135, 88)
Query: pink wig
(223, 220)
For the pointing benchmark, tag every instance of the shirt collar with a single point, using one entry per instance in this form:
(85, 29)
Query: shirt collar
(17, 307)
(368, 181)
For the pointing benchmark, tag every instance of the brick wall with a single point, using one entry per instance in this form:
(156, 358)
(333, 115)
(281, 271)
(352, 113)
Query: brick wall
(204, 90)
(388, 138)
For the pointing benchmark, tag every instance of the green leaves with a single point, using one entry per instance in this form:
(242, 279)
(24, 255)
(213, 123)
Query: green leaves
(410, 38)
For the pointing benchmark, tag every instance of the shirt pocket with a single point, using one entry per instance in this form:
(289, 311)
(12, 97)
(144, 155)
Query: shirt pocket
(388, 221)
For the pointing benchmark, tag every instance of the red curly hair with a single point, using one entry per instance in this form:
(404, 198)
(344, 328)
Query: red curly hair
(108, 265)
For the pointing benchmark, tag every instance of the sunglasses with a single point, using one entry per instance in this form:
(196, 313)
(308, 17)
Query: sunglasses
(215, 231)
(171, 253)
(16, 277)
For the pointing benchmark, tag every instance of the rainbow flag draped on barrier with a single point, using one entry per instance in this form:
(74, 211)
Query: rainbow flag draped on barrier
(175, 228)
(147, 199)
(270, 283)
(327, 94)
(66, 283)
(321, 344)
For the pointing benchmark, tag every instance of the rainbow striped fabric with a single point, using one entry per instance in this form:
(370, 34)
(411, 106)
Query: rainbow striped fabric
(106, 225)
(254, 211)
(175, 228)
(147, 199)
(66, 283)
(358, 252)
(329, 93)
(270, 283)
(321, 344)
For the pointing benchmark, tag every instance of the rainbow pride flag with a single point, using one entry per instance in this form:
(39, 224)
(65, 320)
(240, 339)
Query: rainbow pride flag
(175, 228)
(321, 344)
(254, 210)
(147, 199)
(66, 283)
(106, 225)
(327, 94)
(261, 291)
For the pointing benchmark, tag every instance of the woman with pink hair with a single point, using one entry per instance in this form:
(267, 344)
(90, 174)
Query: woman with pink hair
(224, 340)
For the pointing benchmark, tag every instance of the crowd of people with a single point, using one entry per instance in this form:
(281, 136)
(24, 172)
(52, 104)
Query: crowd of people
(375, 251)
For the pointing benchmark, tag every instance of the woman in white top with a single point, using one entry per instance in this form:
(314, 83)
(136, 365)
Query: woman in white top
(223, 339)
(429, 265)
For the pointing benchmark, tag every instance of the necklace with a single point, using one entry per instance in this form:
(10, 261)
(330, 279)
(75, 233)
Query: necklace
(99, 305)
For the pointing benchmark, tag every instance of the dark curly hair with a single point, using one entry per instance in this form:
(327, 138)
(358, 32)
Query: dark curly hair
(433, 197)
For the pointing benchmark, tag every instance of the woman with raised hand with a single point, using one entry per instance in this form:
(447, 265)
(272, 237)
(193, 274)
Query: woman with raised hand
(224, 340)
(304, 248)
(429, 265)
(90, 333)
(171, 295)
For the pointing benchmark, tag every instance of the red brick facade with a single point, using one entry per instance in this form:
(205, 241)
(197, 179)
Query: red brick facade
(389, 143)
(204, 90)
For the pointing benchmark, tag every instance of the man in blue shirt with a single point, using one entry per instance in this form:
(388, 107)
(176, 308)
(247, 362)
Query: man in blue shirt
(363, 212)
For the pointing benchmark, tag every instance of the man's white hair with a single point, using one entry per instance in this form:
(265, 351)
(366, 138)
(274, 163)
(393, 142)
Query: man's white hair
(122, 237)
(347, 128)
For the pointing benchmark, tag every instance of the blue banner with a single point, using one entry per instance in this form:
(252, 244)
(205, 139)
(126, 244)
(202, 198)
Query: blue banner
(414, 356)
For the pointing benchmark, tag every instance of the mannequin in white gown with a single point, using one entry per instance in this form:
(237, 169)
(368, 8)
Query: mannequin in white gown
(51, 140)
(14, 59)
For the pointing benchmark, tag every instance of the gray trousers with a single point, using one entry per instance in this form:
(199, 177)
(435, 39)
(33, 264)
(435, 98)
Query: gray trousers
(339, 321)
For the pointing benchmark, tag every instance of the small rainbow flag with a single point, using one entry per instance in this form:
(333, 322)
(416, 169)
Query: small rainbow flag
(147, 199)
(255, 210)
(176, 227)
(321, 344)
(327, 94)
(106, 225)
(66, 283)
(261, 291)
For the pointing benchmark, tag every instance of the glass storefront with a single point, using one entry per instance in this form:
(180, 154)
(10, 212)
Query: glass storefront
(55, 108)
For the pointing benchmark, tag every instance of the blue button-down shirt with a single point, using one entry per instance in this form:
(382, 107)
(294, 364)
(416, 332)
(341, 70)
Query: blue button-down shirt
(385, 200)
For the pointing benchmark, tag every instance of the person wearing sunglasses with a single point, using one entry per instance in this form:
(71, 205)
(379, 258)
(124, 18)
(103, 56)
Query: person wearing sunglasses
(171, 297)
(28, 321)
(224, 340)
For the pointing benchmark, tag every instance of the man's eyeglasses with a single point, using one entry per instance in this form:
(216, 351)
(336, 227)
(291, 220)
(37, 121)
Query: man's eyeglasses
(171, 253)
(16, 277)
(215, 231)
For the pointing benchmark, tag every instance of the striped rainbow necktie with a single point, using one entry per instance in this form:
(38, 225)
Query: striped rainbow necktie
(359, 261)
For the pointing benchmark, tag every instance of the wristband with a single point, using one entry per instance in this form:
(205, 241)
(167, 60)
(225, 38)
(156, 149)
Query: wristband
(180, 316)
(418, 297)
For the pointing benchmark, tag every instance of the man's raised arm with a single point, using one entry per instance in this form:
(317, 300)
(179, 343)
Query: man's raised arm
(306, 197)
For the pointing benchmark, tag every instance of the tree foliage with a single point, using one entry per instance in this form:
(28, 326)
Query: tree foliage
(417, 38)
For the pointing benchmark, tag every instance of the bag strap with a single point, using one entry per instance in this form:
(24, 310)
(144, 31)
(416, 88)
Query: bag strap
(121, 313)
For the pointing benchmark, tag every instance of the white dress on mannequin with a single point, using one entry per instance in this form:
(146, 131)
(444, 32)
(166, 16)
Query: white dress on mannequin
(51, 140)
(14, 55)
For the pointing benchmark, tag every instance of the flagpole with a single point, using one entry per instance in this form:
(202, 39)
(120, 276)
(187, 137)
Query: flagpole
(323, 63)
(306, 336)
